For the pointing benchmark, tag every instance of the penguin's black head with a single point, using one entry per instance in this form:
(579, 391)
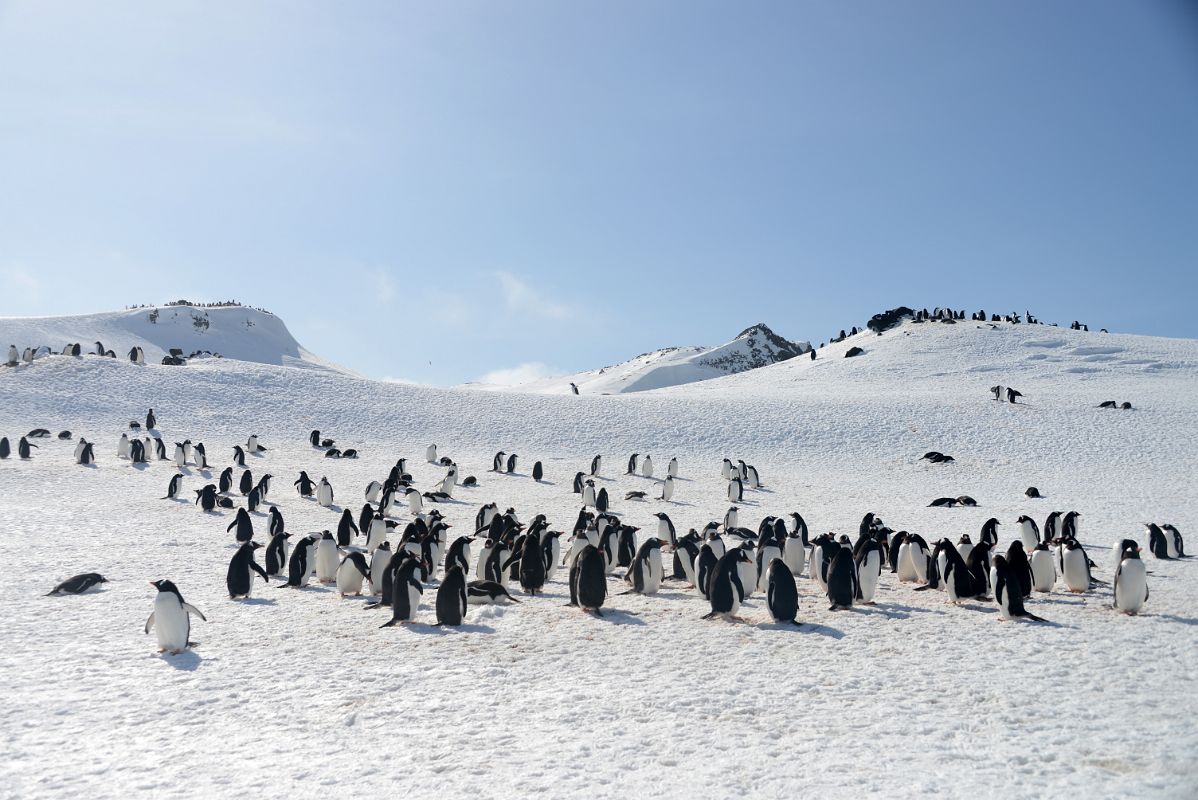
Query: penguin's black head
(999, 562)
(165, 586)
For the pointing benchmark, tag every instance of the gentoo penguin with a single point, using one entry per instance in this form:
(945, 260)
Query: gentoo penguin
(632, 464)
(240, 577)
(1044, 568)
(751, 477)
(238, 455)
(373, 490)
(997, 391)
(511, 463)
(263, 486)
(532, 565)
(782, 595)
(842, 580)
(1131, 582)
(324, 493)
(943, 502)
(726, 469)
(206, 497)
(588, 580)
(276, 553)
(1069, 525)
(724, 588)
(88, 454)
(573, 387)
(171, 618)
(767, 551)
(1029, 532)
(1158, 542)
(869, 569)
(667, 489)
(647, 466)
(913, 560)
(299, 566)
(538, 472)
(243, 524)
(1020, 568)
(5, 449)
(13, 356)
(160, 448)
(588, 494)
(497, 461)
(1007, 593)
(1033, 493)
(1013, 394)
(480, 593)
(736, 490)
(304, 485)
(252, 446)
(430, 455)
(275, 525)
(151, 420)
(794, 553)
(415, 503)
(1173, 537)
(705, 566)
(601, 500)
(226, 480)
(964, 546)
(122, 447)
(405, 593)
(378, 565)
(451, 597)
(672, 468)
(645, 573)
(1075, 567)
(246, 484)
(596, 462)
(78, 584)
(626, 549)
(731, 518)
(989, 534)
(351, 573)
(347, 529)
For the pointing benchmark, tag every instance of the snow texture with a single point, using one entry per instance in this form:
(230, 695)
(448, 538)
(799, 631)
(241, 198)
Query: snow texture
(300, 693)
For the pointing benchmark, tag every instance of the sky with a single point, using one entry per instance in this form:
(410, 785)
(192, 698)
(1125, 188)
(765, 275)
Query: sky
(438, 192)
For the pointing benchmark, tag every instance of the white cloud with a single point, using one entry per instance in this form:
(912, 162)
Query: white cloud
(522, 298)
(384, 287)
(514, 376)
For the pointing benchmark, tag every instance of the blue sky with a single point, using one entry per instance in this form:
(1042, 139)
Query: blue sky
(433, 191)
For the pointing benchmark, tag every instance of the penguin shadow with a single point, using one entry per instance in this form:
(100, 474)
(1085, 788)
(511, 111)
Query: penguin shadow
(544, 482)
(802, 627)
(884, 612)
(140, 466)
(617, 617)
(206, 474)
(181, 500)
(256, 601)
(185, 470)
(187, 661)
(431, 629)
(1174, 618)
(1057, 601)
(90, 466)
(908, 610)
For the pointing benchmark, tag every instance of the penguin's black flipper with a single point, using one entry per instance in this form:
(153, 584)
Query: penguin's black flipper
(1033, 617)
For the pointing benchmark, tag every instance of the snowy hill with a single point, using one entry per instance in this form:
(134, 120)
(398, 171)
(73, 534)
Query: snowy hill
(237, 332)
(752, 348)
(539, 698)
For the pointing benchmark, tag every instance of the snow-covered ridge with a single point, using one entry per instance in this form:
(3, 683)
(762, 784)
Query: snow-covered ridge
(753, 348)
(237, 332)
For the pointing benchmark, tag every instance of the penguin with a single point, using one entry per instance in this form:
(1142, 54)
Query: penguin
(511, 463)
(226, 480)
(767, 551)
(842, 580)
(726, 469)
(430, 454)
(632, 464)
(794, 553)
(626, 548)
(206, 497)
(645, 573)
(351, 573)
(596, 462)
(151, 420)
(736, 490)
(869, 569)
(458, 554)
(573, 387)
(913, 560)
(5, 449)
(1019, 567)
(667, 489)
(1131, 582)
(238, 455)
(451, 597)
(665, 529)
(1075, 567)
(705, 566)
(997, 391)
(244, 526)
(497, 461)
(171, 618)
(160, 449)
(1012, 395)
(264, 485)
(532, 565)
(324, 493)
(672, 468)
(647, 466)
(13, 356)
(122, 446)
(724, 588)
(373, 489)
(1029, 532)
(23, 448)
(1158, 542)
(943, 502)
(405, 593)
(137, 452)
(782, 594)
(751, 477)
(327, 558)
(989, 535)
(378, 565)
(246, 483)
(1173, 537)
(578, 476)
(601, 500)
(1033, 493)
(588, 494)
(1007, 593)
(299, 566)
(88, 454)
(240, 577)
(347, 529)
(78, 584)
(588, 580)
(276, 553)
(537, 472)
(78, 448)
(487, 593)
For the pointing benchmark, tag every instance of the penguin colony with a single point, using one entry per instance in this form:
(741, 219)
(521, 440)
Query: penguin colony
(399, 553)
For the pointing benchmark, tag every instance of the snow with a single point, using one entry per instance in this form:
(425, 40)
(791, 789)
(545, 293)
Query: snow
(672, 366)
(301, 692)
(236, 332)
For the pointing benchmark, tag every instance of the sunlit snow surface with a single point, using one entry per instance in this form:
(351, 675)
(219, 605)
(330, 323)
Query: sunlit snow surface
(299, 693)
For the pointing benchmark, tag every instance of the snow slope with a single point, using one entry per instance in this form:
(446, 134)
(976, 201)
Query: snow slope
(300, 692)
(753, 348)
(238, 332)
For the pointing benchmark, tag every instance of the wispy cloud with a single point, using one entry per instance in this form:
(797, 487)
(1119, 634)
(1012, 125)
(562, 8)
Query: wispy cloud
(384, 287)
(21, 280)
(519, 297)
(523, 373)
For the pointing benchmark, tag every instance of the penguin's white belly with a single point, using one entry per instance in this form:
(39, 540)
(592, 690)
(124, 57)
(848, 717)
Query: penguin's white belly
(965, 549)
(867, 576)
(941, 566)
(763, 577)
(1171, 545)
(794, 555)
(349, 579)
(653, 574)
(1076, 577)
(817, 568)
(377, 567)
(1044, 571)
(171, 622)
(324, 497)
(413, 602)
(326, 561)
(1132, 586)
(748, 576)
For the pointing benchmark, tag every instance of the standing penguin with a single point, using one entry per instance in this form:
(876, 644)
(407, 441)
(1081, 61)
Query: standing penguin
(1173, 537)
(240, 577)
(724, 588)
(247, 482)
(1075, 567)
(1029, 532)
(451, 597)
(299, 566)
(347, 529)
(226, 480)
(588, 493)
(667, 489)
(532, 565)
(245, 527)
(351, 573)
(782, 594)
(206, 497)
(405, 592)
(327, 558)
(736, 490)
(596, 462)
(122, 446)
(511, 463)
(647, 466)
(276, 553)
(172, 488)
(151, 420)
(1158, 543)
(645, 572)
(842, 580)
(171, 618)
(869, 570)
(588, 581)
(1131, 582)
(5, 449)
(430, 454)
(1007, 593)
(537, 472)
(672, 468)
(23, 448)
(87, 455)
(238, 455)
(1044, 568)
(324, 493)
(632, 464)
